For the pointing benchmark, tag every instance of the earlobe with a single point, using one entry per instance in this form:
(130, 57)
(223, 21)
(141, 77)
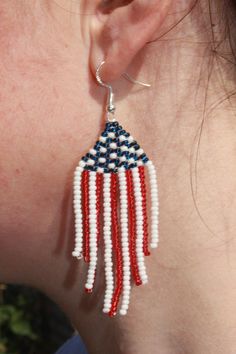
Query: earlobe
(118, 35)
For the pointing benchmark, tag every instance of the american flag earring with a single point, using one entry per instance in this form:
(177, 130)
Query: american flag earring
(110, 203)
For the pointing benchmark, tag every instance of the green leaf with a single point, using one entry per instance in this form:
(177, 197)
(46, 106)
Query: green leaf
(6, 312)
(20, 326)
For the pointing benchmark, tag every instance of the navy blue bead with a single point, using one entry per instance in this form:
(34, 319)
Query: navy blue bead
(142, 156)
(126, 165)
(133, 144)
(122, 132)
(121, 164)
(97, 145)
(108, 141)
(90, 156)
(136, 146)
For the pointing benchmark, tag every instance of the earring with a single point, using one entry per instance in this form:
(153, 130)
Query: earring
(112, 174)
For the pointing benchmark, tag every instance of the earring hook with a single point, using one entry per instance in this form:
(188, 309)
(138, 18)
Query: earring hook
(110, 109)
(134, 81)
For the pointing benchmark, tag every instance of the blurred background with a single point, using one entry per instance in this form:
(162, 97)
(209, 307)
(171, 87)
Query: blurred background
(30, 323)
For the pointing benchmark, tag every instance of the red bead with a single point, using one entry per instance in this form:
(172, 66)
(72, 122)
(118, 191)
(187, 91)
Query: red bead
(89, 291)
(144, 205)
(85, 196)
(132, 228)
(116, 244)
(99, 180)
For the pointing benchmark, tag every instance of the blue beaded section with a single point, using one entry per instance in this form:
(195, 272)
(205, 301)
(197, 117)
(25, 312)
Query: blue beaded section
(126, 155)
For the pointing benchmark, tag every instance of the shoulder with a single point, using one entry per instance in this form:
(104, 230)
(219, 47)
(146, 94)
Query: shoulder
(72, 346)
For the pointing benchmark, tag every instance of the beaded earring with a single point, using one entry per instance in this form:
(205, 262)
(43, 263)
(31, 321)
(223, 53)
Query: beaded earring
(112, 175)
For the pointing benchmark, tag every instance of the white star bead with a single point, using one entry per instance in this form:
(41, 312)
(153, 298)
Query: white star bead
(102, 159)
(122, 138)
(139, 152)
(102, 139)
(103, 149)
(131, 160)
(111, 165)
(113, 145)
(124, 148)
(113, 155)
(122, 158)
(92, 151)
(130, 139)
(90, 162)
(111, 135)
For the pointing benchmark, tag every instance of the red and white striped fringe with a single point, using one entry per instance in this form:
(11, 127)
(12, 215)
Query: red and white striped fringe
(124, 229)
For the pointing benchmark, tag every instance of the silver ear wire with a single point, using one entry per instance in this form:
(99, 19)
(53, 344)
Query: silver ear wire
(128, 77)
(110, 109)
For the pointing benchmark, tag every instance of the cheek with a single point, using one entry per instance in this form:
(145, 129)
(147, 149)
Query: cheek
(41, 140)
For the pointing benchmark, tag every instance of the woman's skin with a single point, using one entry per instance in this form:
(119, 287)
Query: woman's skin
(51, 113)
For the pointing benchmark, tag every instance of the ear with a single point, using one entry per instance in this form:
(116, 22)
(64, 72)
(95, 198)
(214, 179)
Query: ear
(120, 29)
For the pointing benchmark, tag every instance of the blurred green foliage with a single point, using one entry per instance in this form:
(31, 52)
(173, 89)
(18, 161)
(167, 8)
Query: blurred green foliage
(30, 323)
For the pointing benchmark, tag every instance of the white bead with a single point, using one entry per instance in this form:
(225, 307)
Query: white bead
(102, 159)
(131, 160)
(92, 151)
(139, 152)
(122, 159)
(113, 145)
(124, 238)
(124, 148)
(102, 139)
(107, 244)
(103, 149)
(122, 138)
(113, 155)
(123, 312)
(100, 170)
(111, 165)
(155, 207)
(82, 163)
(88, 285)
(130, 139)
(140, 163)
(111, 135)
(154, 245)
